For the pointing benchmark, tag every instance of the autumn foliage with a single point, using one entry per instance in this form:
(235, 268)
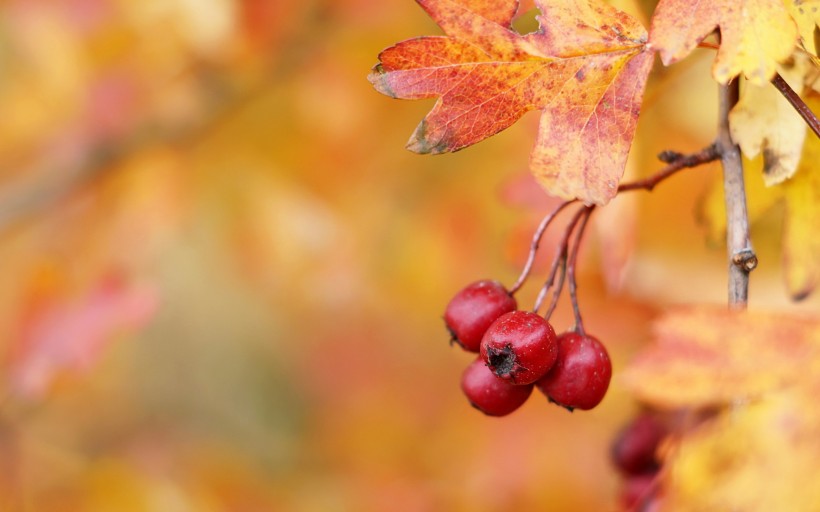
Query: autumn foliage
(585, 68)
(222, 280)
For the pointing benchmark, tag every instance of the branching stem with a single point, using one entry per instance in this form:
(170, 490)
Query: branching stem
(676, 163)
(742, 259)
(572, 262)
(565, 261)
(536, 241)
(559, 260)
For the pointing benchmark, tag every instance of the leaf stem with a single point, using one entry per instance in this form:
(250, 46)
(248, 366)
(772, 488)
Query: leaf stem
(536, 241)
(742, 259)
(798, 104)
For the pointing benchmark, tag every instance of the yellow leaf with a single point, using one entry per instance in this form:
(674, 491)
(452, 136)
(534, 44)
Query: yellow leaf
(801, 243)
(760, 457)
(759, 199)
(764, 121)
(755, 34)
(806, 14)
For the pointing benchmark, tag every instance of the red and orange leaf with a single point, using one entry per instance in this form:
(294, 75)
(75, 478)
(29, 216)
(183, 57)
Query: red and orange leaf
(712, 356)
(755, 34)
(585, 69)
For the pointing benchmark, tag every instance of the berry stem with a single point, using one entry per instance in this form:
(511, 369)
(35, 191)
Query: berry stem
(798, 104)
(560, 256)
(557, 293)
(536, 241)
(572, 265)
(741, 258)
(559, 260)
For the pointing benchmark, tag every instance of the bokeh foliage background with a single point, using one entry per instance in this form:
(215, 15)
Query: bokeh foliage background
(221, 276)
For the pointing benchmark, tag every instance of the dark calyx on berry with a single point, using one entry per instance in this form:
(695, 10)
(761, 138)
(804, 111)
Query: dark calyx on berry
(472, 310)
(519, 346)
(503, 360)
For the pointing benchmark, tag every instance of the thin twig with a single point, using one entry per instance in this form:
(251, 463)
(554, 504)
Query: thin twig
(798, 104)
(536, 241)
(677, 162)
(560, 259)
(742, 258)
(560, 255)
(572, 262)
(557, 291)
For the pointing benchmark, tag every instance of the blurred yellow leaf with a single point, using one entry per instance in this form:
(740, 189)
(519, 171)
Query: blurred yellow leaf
(759, 457)
(759, 199)
(764, 121)
(704, 357)
(806, 14)
(801, 196)
(801, 243)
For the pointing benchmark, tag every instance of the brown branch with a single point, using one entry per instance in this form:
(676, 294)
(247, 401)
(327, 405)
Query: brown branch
(676, 162)
(741, 255)
(798, 104)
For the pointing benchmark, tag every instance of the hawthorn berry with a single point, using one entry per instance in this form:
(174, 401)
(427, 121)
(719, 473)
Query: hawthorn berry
(472, 310)
(633, 451)
(581, 374)
(519, 346)
(488, 393)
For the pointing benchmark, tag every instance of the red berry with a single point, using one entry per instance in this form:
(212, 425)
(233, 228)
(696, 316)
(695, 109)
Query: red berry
(519, 346)
(488, 393)
(633, 451)
(581, 374)
(474, 309)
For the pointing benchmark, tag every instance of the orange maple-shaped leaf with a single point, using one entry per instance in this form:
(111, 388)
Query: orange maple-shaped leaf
(585, 69)
(755, 34)
(712, 356)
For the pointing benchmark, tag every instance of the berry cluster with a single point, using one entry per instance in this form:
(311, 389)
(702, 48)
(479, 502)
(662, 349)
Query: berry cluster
(634, 454)
(519, 350)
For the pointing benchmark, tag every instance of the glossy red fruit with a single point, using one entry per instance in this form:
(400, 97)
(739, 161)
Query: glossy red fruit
(519, 346)
(471, 312)
(488, 393)
(633, 451)
(581, 374)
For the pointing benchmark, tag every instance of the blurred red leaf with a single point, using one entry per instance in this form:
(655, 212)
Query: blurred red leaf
(58, 335)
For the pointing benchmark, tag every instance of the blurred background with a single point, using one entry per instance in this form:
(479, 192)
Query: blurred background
(222, 277)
